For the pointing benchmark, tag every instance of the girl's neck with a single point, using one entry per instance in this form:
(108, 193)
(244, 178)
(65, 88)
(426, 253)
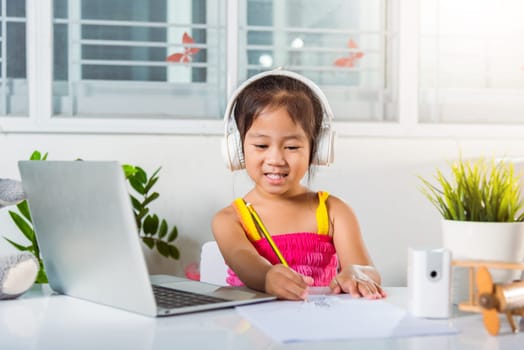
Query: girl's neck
(297, 194)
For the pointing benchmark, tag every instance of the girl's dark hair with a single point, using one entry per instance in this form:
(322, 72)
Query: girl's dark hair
(276, 91)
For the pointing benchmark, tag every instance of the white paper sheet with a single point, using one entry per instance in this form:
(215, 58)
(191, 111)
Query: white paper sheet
(335, 317)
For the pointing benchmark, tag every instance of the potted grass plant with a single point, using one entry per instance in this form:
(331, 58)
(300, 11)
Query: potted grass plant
(482, 215)
(477, 191)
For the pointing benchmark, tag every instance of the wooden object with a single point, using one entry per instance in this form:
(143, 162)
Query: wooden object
(493, 298)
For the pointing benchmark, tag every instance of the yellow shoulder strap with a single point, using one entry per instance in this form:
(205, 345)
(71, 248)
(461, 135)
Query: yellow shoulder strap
(322, 213)
(246, 219)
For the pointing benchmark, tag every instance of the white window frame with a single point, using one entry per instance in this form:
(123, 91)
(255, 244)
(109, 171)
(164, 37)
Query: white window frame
(40, 80)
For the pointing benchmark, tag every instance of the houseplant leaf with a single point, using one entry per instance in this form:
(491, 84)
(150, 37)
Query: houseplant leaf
(150, 242)
(23, 208)
(162, 231)
(23, 226)
(174, 252)
(173, 234)
(162, 248)
(150, 198)
(150, 184)
(150, 224)
(16, 245)
(129, 170)
(137, 185)
(136, 203)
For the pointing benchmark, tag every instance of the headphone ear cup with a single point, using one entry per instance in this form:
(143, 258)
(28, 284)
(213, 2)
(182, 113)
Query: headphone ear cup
(232, 151)
(325, 147)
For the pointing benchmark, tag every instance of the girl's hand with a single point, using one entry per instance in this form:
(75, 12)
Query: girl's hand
(357, 281)
(285, 283)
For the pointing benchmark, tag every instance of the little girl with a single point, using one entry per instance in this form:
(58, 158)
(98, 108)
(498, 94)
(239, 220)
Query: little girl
(280, 119)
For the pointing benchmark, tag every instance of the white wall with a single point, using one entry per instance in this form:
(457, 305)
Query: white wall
(376, 176)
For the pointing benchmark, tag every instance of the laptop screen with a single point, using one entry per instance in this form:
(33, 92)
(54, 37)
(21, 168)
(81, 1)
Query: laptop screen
(85, 227)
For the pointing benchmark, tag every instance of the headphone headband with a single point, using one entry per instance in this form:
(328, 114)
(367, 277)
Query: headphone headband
(232, 145)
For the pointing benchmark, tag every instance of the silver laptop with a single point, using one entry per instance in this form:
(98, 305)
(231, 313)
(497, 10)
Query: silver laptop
(85, 227)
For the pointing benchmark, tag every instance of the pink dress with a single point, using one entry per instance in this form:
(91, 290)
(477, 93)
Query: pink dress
(308, 253)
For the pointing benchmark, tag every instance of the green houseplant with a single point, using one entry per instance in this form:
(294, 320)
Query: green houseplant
(482, 219)
(153, 231)
(477, 191)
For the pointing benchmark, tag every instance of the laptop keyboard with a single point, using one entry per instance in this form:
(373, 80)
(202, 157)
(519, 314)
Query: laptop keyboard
(169, 298)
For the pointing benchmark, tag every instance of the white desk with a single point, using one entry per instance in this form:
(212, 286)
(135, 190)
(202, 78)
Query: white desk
(42, 320)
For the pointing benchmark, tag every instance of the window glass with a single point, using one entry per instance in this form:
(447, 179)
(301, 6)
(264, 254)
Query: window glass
(471, 61)
(345, 46)
(13, 68)
(135, 58)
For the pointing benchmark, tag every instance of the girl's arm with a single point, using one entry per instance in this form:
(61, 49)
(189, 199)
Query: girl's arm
(252, 269)
(357, 275)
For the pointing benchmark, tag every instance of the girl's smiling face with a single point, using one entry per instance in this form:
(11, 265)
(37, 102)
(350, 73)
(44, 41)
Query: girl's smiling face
(276, 151)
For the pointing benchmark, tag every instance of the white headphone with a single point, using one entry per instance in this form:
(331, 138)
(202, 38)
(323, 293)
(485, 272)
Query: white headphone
(232, 143)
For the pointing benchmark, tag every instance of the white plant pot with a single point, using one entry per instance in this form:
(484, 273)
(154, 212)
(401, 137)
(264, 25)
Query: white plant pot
(500, 241)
